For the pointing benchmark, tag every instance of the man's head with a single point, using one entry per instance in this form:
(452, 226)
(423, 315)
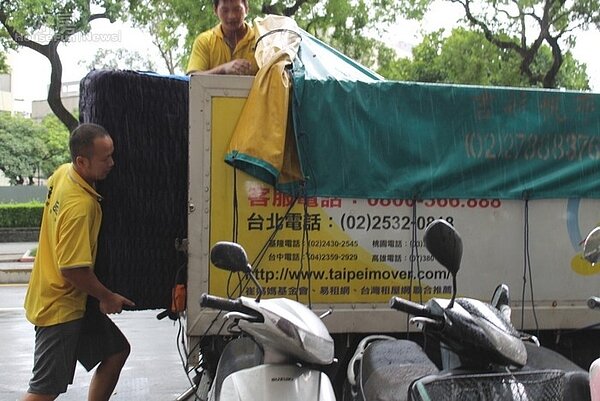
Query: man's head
(231, 13)
(91, 152)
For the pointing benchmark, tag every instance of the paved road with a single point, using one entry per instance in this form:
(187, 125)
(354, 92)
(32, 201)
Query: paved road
(152, 373)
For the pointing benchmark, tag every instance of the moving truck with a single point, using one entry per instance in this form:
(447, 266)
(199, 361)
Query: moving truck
(515, 170)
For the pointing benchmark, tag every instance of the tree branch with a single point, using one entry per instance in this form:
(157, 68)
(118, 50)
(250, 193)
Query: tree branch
(50, 51)
(288, 11)
(21, 39)
(549, 80)
(97, 16)
(502, 44)
(54, 90)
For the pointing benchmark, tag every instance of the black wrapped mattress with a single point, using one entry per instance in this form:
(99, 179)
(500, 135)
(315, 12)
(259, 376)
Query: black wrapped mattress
(145, 195)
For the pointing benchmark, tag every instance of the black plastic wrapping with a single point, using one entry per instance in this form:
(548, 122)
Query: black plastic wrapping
(145, 195)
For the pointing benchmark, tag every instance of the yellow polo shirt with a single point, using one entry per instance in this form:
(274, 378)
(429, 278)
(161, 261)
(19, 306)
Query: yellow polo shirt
(68, 235)
(210, 50)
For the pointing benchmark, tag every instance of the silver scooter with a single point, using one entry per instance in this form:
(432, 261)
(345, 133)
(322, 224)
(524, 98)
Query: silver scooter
(282, 346)
(591, 252)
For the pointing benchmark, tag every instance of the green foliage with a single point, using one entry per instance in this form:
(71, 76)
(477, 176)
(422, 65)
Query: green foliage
(466, 57)
(42, 25)
(173, 26)
(4, 68)
(57, 145)
(488, 54)
(15, 215)
(346, 25)
(29, 147)
(43, 20)
(350, 26)
(120, 58)
(527, 27)
(22, 141)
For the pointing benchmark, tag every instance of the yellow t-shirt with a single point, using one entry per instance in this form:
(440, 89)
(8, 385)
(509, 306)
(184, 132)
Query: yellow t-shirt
(68, 235)
(210, 50)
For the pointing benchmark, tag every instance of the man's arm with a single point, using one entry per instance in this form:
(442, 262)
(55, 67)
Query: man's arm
(84, 279)
(235, 67)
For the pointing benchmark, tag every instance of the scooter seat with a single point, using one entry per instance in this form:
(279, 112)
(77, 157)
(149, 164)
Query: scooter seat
(390, 366)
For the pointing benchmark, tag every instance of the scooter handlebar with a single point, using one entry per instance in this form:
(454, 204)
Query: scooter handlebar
(230, 305)
(412, 308)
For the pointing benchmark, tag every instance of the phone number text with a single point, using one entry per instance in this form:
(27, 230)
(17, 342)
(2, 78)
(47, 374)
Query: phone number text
(453, 203)
(370, 222)
(519, 146)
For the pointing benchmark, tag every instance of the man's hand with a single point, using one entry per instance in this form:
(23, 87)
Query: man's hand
(235, 67)
(114, 303)
(84, 279)
(238, 67)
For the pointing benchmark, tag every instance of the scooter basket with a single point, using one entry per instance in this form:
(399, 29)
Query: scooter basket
(542, 385)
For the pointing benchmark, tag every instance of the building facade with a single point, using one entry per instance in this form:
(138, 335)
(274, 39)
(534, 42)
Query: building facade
(6, 98)
(69, 94)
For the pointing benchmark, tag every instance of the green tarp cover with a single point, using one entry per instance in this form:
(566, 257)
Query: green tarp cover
(388, 139)
(360, 136)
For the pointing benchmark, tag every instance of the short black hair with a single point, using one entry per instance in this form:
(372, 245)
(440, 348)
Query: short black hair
(216, 3)
(81, 142)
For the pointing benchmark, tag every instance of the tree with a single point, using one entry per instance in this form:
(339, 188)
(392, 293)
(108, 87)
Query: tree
(5, 44)
(56, 139)
(346, 25)
(21, 144)
(4, 69)
(466, 57)
(30, 148)
(42, 25)
(525, 26)
(120, 58)
(168, 31)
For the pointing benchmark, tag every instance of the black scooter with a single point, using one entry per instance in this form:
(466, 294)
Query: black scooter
(483, 357)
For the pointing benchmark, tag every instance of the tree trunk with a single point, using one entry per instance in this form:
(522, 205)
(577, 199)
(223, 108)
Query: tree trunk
(54, 91)
(50, 52)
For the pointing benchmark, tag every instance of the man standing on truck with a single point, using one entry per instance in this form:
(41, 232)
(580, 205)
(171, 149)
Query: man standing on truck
(65, 300)
(227, 48)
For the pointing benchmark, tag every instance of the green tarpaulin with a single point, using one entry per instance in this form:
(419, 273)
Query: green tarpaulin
(406, 140)
(360, 136)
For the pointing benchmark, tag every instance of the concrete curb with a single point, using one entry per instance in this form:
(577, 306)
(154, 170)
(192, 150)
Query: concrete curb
(16, 262)
(15, 276)
(25, 234)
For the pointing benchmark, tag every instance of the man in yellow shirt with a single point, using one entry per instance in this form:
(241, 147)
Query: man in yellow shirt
(228, 48)
(65, 300)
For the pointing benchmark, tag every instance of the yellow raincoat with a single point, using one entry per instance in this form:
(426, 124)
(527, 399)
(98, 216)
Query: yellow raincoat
(263, 135)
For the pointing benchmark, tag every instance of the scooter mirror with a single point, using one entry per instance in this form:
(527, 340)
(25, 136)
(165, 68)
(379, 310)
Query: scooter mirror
(229, 256)
(591, 246)
(444, 244)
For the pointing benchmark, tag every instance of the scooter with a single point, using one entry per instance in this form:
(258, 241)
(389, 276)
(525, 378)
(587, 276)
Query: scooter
(279, 348)
(483, 357)
(591, 252)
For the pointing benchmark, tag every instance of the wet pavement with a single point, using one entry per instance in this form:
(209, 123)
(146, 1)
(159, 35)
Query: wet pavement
(153, 372)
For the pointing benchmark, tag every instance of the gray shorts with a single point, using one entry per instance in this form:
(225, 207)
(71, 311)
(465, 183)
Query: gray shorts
(58, 348)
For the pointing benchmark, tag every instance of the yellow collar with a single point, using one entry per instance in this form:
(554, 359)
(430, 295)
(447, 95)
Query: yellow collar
(74, 175)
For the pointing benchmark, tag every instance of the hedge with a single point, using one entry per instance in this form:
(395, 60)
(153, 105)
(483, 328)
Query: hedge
(14, 215)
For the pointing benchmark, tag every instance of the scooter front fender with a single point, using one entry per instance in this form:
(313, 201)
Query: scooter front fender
(276, 383)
